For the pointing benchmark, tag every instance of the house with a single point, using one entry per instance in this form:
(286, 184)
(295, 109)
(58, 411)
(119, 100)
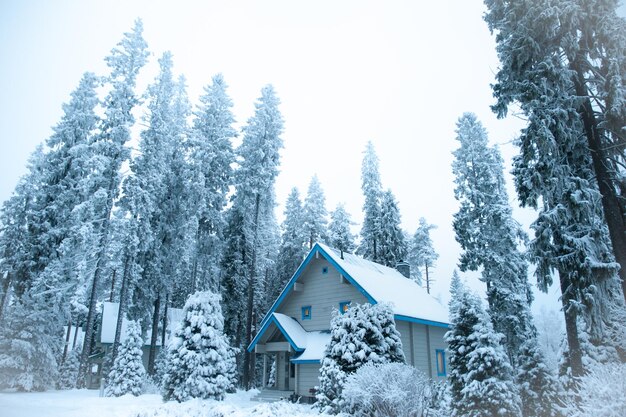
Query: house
(107, 336)
(295, 330)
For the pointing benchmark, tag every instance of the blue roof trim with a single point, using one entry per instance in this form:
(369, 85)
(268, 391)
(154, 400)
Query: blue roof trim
(421, 321)
(282, 330)
(295, 360)
(296, 275)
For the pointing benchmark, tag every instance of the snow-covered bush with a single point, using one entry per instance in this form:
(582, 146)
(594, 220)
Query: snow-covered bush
(68, 371)
(602, 392)
(364, 334)
(391, 389)
(127, 373)
(199, 363)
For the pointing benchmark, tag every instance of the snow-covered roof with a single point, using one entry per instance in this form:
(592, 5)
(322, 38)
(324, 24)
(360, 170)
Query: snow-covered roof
(109, 323)
(311, 344)
(384, 284)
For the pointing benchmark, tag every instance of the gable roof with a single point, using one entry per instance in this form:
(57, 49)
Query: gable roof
(378, 283)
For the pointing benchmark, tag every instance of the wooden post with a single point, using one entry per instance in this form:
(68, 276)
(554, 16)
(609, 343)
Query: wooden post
(264, 383)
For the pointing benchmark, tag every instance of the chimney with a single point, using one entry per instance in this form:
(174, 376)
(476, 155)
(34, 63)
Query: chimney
(404, 268)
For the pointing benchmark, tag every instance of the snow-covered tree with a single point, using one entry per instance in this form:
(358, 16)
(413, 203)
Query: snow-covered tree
(314, 213)
(339, 234)
(538, 386)
(200, 362)
(421, 253)
(127, 373)
(480, 376)
(109, 153)
(211, 159)
(489, 236)
(68, 371)
(372, 191)
(392, 247)
(292, 247)
(365, 333)
(251, 221)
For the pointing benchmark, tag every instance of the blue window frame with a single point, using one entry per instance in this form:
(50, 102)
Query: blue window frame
(306, 313)
(440, 356)
(343, 306)
(325, 270)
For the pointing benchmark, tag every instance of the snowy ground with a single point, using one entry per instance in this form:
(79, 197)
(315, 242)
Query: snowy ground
(81, 403)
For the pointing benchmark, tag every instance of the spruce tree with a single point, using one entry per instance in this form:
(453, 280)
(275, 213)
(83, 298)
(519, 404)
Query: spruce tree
(199, 362)
(372, 191)
(421, 253)
(109, 153)
(392, 247)
(364, 334)
(480, 376)
(68, 371)
(315, 213)
(339, 234)
(127, 374)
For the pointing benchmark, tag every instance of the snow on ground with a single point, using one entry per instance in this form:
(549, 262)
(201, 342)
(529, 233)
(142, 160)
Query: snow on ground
(81, 403)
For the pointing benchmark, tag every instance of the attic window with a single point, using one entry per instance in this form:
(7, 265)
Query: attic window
(306, 313)
(441, 362)
(343, 306)
(325, 270)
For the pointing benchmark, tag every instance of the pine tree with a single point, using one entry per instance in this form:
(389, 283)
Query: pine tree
(199, 363)
(339, 234)
(109, 153)
(489, 235)
(564, 63)
(127, 374)
(363, 334)
(252, 217)
(421, 253)
(68, 371)
(480, 377)
(392, 246)
(314, 218)
(372, 191)
(292, 248)
(537, 384)
(211, 158)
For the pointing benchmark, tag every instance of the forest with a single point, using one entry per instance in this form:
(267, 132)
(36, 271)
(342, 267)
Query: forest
(152, 202)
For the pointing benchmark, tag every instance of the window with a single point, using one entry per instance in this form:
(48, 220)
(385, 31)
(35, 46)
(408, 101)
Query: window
(441, 362)
(343, 306)
(306, 313)
(325, 270)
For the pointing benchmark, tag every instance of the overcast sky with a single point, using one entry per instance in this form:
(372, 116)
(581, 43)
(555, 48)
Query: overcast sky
(398, 73)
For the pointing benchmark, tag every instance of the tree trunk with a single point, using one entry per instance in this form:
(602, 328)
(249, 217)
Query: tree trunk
(571, 328)
(121, 310)
(247, 371)
(164, 330)
(75, 336)
(610, 201)
(427, 278)
(154, 336)
(5, 294)
(112, 286)
(67, 339)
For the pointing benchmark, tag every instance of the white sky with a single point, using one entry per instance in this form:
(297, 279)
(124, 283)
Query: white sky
(399, 73)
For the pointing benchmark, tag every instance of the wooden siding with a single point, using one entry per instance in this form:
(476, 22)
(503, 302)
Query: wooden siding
(323, 292)
(308, 377)
(437, 342)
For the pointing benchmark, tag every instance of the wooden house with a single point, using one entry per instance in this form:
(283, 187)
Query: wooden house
(295, 330)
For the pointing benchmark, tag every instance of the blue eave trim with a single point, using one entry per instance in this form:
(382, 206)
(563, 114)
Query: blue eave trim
(296, 275)
(421, 321)
(305, 361)
(282, 330)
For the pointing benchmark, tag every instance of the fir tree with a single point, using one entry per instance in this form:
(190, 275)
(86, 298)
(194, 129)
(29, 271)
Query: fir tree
(127, 374)
(538, 386)
(364, 334)
(68, 371)
(421, 253)
(339, 234)
(372, 191)
(392, 246)
(480, 377)
(199, 363)
(314, 218)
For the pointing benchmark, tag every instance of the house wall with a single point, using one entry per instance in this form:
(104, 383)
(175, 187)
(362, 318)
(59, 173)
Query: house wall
(323, 292)
(420, 343)
(308, 378)
(437, 341)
